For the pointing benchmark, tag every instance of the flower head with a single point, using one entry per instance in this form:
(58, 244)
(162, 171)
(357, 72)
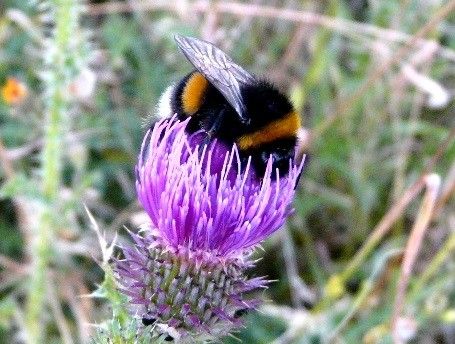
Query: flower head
(186, 271)
(200, 198)
(13, 92)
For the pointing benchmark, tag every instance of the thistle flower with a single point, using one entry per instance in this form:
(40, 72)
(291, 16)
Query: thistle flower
(186, 272)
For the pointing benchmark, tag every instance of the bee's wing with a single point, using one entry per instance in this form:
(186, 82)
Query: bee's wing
(218, 68)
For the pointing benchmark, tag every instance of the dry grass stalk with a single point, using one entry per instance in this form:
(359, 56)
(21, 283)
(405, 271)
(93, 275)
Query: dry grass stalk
(432, 183)
(57, 311)
(448, 190)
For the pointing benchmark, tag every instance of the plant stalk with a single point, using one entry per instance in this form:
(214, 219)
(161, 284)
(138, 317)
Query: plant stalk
(58, 63)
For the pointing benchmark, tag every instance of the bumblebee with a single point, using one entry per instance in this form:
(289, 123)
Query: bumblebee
(230, 104)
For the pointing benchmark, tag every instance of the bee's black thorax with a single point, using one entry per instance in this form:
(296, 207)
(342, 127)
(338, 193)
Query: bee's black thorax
(265, 104)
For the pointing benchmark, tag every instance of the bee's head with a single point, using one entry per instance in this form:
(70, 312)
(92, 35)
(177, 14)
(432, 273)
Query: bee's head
(280, 161)
(281, 151)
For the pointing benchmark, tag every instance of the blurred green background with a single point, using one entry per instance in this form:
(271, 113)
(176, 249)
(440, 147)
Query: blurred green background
(374, 82)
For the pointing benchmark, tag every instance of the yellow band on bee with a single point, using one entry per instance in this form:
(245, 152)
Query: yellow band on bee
(193, 93)
(281, 128)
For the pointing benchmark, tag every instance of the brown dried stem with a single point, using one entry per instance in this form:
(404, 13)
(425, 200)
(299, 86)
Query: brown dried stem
(279, 74)
(432, 183)
(81, 307)
(57, 312)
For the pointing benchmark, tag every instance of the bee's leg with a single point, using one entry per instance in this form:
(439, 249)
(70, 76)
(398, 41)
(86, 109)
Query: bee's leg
(214, 127)
(205, 142)
(216, 123)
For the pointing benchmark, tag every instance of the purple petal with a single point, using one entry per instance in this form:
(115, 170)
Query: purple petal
(201, 199)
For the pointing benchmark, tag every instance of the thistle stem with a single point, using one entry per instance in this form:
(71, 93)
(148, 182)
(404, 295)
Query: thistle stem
(58, 61)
